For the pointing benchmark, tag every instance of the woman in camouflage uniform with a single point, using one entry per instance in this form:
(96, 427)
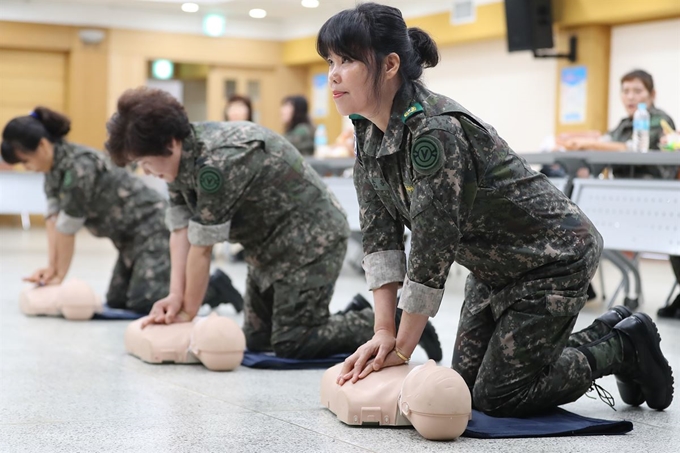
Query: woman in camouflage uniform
(83, 188)
(425, 162)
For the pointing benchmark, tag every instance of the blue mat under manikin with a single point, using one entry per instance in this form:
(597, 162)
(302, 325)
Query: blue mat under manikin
(270, 361)
(554, 423)
(117, 313)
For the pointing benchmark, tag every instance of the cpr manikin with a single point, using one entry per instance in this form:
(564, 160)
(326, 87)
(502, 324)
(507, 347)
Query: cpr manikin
(73, 299)
(215, 341)
(434, 399)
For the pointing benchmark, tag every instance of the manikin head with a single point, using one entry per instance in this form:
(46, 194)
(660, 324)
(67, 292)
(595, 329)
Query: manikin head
(436, 400)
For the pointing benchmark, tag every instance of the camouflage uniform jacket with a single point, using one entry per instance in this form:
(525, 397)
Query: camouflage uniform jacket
(623, 132)
(466, 196)
(85, 188)
(241, 182)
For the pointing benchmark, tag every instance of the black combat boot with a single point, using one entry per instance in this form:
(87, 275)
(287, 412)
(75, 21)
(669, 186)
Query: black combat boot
(670, 311)
(632, 351)
(429, 340)
(221, 291)
(357, 303)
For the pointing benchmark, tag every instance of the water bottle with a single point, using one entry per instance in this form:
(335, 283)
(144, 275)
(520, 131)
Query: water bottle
(641, 129)
(320, 137)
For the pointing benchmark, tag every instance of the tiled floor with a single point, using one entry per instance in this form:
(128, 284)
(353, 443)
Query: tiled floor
(70, 386)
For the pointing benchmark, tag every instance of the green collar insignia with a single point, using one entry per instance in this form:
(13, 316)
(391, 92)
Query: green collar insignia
(354, 116)
(68, 179)
(415, 108)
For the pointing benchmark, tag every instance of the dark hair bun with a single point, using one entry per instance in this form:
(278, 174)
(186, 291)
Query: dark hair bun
(424, 46)
(56, 124)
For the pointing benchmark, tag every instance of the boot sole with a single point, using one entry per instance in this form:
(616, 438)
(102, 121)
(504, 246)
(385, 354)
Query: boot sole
(661, 398)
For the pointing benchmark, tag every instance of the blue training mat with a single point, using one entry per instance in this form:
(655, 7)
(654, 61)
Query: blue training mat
(270, 361)
(554, 423)
(117, 313)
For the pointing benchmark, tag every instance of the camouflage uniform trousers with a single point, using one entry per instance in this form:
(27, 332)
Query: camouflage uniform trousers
(141, 276)
(291, 316)
(522, 361)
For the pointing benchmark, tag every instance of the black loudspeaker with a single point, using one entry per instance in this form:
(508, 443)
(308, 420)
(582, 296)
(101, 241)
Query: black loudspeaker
(529, 24)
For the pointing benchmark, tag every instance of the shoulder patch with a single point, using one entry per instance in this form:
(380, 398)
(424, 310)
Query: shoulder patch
(210, 179)
(415, 108)
(354, 116)
(427, 155)
(68, 179)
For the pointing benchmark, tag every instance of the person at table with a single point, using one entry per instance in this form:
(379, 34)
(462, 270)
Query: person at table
(637, 87)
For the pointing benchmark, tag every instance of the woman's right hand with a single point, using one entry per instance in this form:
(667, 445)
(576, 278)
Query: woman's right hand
(166, 311)
(43, 276)
(377, 348)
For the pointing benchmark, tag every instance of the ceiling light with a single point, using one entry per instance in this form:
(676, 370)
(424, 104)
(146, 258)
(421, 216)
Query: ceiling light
(257, 13)
(214, 25)
(162, 69)
(189, 7)
(310, 3)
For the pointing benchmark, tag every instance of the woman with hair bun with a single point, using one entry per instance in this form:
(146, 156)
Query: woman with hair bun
(425, 162)
(84, 188)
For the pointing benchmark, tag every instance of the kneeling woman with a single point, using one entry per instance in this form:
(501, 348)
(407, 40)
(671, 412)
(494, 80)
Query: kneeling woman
(83, 188)
(426, 162)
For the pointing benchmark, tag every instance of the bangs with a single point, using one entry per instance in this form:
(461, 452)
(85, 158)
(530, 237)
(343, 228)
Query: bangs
(347, 34)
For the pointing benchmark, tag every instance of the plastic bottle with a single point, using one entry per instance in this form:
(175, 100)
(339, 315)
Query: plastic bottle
(641, 129)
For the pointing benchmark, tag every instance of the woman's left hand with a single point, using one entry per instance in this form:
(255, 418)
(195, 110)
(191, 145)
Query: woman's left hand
(375, 354)
(392, 359)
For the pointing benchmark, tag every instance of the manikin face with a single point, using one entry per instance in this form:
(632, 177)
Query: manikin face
(351, 87)
(634, 92)
(41, 159)
(237, 111)
(164, 167)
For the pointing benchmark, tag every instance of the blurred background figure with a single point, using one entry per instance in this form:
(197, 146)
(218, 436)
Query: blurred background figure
(298, 129)
(239, 108)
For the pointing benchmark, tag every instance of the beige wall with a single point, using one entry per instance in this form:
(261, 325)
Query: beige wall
(86, 74)
(130, 51)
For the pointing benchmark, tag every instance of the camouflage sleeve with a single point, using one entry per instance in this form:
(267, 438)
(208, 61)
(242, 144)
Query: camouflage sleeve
(177, 214)
(77, 188)
(383, 236)
(51, 188)
(221, 184)
(435, 216)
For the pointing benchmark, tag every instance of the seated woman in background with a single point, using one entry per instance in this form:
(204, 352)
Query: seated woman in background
(636, 87)
(239, 108)
(83, 188)
(298, 129)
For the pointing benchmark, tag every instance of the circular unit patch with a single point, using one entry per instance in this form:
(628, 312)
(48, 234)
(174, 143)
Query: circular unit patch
(427, 155)
(210, 179)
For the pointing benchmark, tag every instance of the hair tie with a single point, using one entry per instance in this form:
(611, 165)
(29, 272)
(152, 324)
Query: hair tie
(34, 115)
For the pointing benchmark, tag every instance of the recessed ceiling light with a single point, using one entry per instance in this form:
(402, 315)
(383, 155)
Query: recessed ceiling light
(310, 3)
(214, 25)
(257, 13)
(189, 7)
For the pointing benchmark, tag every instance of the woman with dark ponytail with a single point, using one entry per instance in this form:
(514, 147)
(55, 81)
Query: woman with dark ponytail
(84, 188)
(425, 162)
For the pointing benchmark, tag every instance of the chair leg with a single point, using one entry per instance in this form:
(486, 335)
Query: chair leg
(670, 295)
